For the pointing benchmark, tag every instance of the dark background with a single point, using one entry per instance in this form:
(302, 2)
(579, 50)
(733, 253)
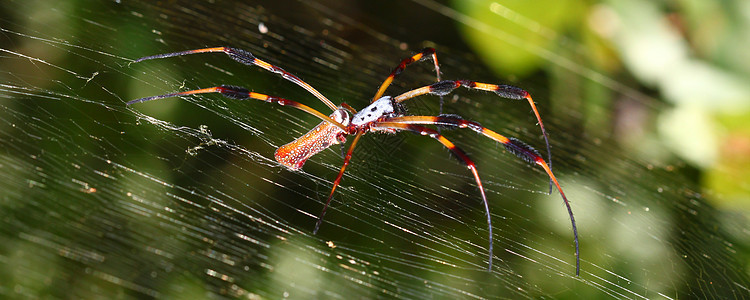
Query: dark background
(645, 102)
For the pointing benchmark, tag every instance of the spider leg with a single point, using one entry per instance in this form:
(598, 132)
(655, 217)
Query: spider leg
(387, 124)
(336, 182)
(513, 145)
(240, 93)
(248, 58)
(426, 53)
(506, 91)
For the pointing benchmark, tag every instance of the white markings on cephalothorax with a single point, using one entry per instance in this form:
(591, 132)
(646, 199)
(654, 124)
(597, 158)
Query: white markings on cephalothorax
(375, 110)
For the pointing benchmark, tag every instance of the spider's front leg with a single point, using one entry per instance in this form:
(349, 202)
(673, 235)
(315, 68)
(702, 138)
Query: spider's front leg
(395, 124)
(513, 145)
(426, 53)
(506, 91)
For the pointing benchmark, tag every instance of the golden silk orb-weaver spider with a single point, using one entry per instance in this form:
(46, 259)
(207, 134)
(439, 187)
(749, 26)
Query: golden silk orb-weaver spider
(382, 115)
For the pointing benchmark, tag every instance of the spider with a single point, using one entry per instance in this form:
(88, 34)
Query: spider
(382, 115)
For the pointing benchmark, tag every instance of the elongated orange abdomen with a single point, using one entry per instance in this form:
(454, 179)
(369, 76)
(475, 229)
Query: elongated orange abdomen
(294, 154)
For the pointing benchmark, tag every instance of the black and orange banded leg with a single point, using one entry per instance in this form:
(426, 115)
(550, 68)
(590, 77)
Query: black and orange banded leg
(240, 93)
(458, 152)
(248, 58)
(425, 54)
(513, 145)
(336, 182)
(506, 91)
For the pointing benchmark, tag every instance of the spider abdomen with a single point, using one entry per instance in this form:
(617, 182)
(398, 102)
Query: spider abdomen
(294, 154)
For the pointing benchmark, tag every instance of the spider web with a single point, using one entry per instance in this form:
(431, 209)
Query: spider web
(182, 196)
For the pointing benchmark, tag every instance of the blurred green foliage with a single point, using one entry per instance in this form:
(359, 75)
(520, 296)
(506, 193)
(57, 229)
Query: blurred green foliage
(691, 53)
